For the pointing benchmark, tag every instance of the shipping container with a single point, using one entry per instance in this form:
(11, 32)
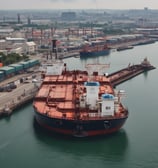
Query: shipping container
(8, 71)
(18, 67)
(1, 75)
(33, 63)
(25, 64)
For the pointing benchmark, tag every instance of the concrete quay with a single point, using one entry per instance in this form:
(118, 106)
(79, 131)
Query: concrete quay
(126, 44)
(9, 101)
(70, 54)
(25, 92)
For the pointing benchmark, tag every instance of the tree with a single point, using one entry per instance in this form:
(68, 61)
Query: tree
(12, 58)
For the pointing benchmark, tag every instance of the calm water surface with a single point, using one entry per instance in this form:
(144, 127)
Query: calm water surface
(23, 144)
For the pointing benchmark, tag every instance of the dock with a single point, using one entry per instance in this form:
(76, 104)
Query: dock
(25, 92)
(12, 100)
(70, 54)
(129, 72)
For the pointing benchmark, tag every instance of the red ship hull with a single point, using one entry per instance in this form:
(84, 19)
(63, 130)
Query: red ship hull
(79, 103)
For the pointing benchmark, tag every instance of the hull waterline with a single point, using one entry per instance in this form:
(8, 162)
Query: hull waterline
(78, 128)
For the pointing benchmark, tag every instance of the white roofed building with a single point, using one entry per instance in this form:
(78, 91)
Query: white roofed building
(2, 44)
(18, 50)
(15, 40)
(30, 47)
(17, 45)
(6, 32)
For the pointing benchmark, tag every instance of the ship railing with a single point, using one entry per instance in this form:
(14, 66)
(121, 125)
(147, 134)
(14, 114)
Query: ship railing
(90, 115)
(63, 116)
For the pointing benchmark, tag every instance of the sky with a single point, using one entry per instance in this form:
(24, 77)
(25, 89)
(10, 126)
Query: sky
(78, 4)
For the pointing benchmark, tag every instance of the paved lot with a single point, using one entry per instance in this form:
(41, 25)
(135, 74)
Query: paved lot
(17, 95)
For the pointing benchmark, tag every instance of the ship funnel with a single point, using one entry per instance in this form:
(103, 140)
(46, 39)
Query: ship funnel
(54, 49)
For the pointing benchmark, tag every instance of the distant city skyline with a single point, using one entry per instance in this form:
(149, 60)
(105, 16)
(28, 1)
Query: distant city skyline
(78, 4)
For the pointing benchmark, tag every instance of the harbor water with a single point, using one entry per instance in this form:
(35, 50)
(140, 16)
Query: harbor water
(23, 144)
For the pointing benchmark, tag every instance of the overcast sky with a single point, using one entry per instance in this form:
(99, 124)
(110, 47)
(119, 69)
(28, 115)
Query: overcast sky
(78, 4)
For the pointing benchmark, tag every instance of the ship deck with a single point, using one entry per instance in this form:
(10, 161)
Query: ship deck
(58, 96)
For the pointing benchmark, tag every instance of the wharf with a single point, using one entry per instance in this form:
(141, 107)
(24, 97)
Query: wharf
(26, 91)
(70, 54)
(127, 73)
(131, 44)
(19, 96)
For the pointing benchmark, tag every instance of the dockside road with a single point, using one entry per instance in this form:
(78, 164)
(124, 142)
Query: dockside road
(9, 101)
(14, 98)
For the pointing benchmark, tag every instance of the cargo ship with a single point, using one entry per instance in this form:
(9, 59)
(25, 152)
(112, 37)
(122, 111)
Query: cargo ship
(79, 103)
(95, 48)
